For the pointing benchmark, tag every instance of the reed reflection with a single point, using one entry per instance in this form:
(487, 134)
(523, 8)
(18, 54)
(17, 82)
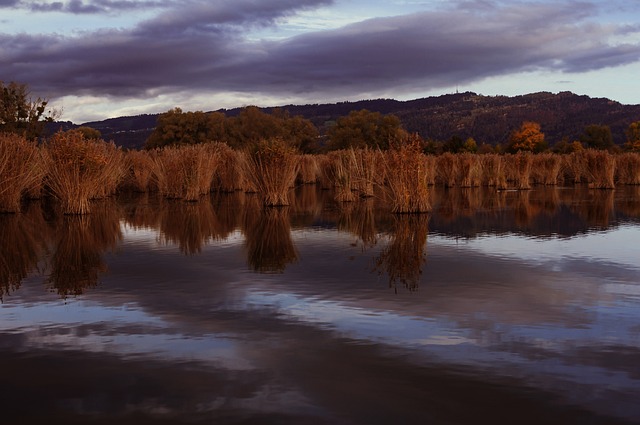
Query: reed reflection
(403, 258)
(23, 245)
(191, 225)
(358, 218)
(79, 242)
(268, 239)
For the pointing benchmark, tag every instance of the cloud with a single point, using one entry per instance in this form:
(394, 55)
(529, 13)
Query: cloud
(205, 46)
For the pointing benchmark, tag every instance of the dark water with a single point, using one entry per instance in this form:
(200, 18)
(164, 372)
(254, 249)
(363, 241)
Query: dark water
(499, 308)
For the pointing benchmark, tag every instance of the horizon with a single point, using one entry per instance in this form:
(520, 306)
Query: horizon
(97, 59)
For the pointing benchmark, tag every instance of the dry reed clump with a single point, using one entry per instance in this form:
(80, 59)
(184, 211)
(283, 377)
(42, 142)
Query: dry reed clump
(77, 260)
(186, 172)
(365, 171)
(600, 168)
(115, 170)
(79, 170)
(268, 240)
(325, 177)
(405, 255)
(140, 165)
(493, 171)
(230, 174)
(447, 169)
(546, 169)
(628, 168)
(341, 172)
(20, 170)
(272, 168)
(430, 169)
(574, 166)
(519, 169)
(309, 171)
(469, 170)
(406, 177)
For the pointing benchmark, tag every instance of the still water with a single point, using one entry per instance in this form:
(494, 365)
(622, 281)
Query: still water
(497, 307)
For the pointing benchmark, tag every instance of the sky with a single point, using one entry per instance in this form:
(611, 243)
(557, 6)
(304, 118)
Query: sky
(96, 59)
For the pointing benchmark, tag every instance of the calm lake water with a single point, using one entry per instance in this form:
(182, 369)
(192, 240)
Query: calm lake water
(497, 307)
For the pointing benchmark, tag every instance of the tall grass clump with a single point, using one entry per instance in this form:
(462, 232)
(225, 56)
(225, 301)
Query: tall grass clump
(493, 171)
(20, 170)
(309, 169)
(140, 165)
(230, 174)
(272, 167)
(469, 170)
(341, 171)
(364, 171)
(115, 170)
(406, 177)
(600, 169)
(628, 168)
(575, 167)
(186, 172)
(519, 169)
(447, 169)
(546, 169)
(78, 169)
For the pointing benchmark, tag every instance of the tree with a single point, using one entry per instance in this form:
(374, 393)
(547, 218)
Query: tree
(597, 137)
(22, 115)
(528, 137)
(175, 127)
(363, 128)
(90, 133)
(633, 137)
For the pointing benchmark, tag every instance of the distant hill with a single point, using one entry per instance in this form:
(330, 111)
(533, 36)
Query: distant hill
(488, 119)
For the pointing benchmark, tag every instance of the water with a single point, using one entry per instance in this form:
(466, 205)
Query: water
(507, 307)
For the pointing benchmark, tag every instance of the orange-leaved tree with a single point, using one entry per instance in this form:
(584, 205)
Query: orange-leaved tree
(529, 137)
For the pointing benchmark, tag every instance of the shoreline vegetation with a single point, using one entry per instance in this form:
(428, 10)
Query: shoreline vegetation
(74, 170)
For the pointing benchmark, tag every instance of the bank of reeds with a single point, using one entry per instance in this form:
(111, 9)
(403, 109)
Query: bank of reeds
(628, 168)
(519, 169)
(140, 170)
(20, 170)
(230, 174)
(185, 172)
(546, 169)
(272, 167)
(309, 170)
(447, 169)
(79, 169)
(406, 178)
(600, 168)
(365, 171)
(493, 171)
(469, 170)
(341, 168)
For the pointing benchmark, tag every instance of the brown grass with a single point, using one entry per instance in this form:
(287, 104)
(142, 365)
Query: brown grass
(79, 170)
(140, 165)
(364, 171)
(600, 169)
(447, 169)
(406, 177)
(341, 171)
(519, 169)
(546, 169)
(494, 171)
(628, 168)
(20, 170)
(469, 170)
(309, 170)
(272, 168)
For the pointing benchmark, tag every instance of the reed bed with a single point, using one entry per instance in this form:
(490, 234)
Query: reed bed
(574, 167)
(309, 170)
(325, 177)
(341, 172)
(78, 170)
(406, 178)
(402, 260)
(115, 170)
(230, 174)
(186, 172)
(21, 170)
(430, 167)
(546, 169)
(519, 169)
(600, 169)
(447, 169)
(494, 171)
(365, 171)
(140, 165)
(469, 170)
(628, 168)
(268, 241)
(272, 168)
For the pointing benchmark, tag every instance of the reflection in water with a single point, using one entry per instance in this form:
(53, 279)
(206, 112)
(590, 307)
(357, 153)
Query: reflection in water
(79, 242)
(22, 244)
(190, 225)
(358, 219)
(268, 240)
(405, 255)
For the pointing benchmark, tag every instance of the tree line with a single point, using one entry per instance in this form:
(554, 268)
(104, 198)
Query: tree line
(22, 114)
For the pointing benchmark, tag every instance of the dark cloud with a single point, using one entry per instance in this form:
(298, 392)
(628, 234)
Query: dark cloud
(204, 46)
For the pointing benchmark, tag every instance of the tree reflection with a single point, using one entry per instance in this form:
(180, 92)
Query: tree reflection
(268, 240)
(79, 242)
(403, 258)
(23, 239)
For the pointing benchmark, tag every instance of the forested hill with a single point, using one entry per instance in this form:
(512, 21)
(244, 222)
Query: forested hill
(488, 119)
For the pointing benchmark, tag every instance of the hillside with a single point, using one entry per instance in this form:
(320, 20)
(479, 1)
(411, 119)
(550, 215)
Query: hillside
(488, 119)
